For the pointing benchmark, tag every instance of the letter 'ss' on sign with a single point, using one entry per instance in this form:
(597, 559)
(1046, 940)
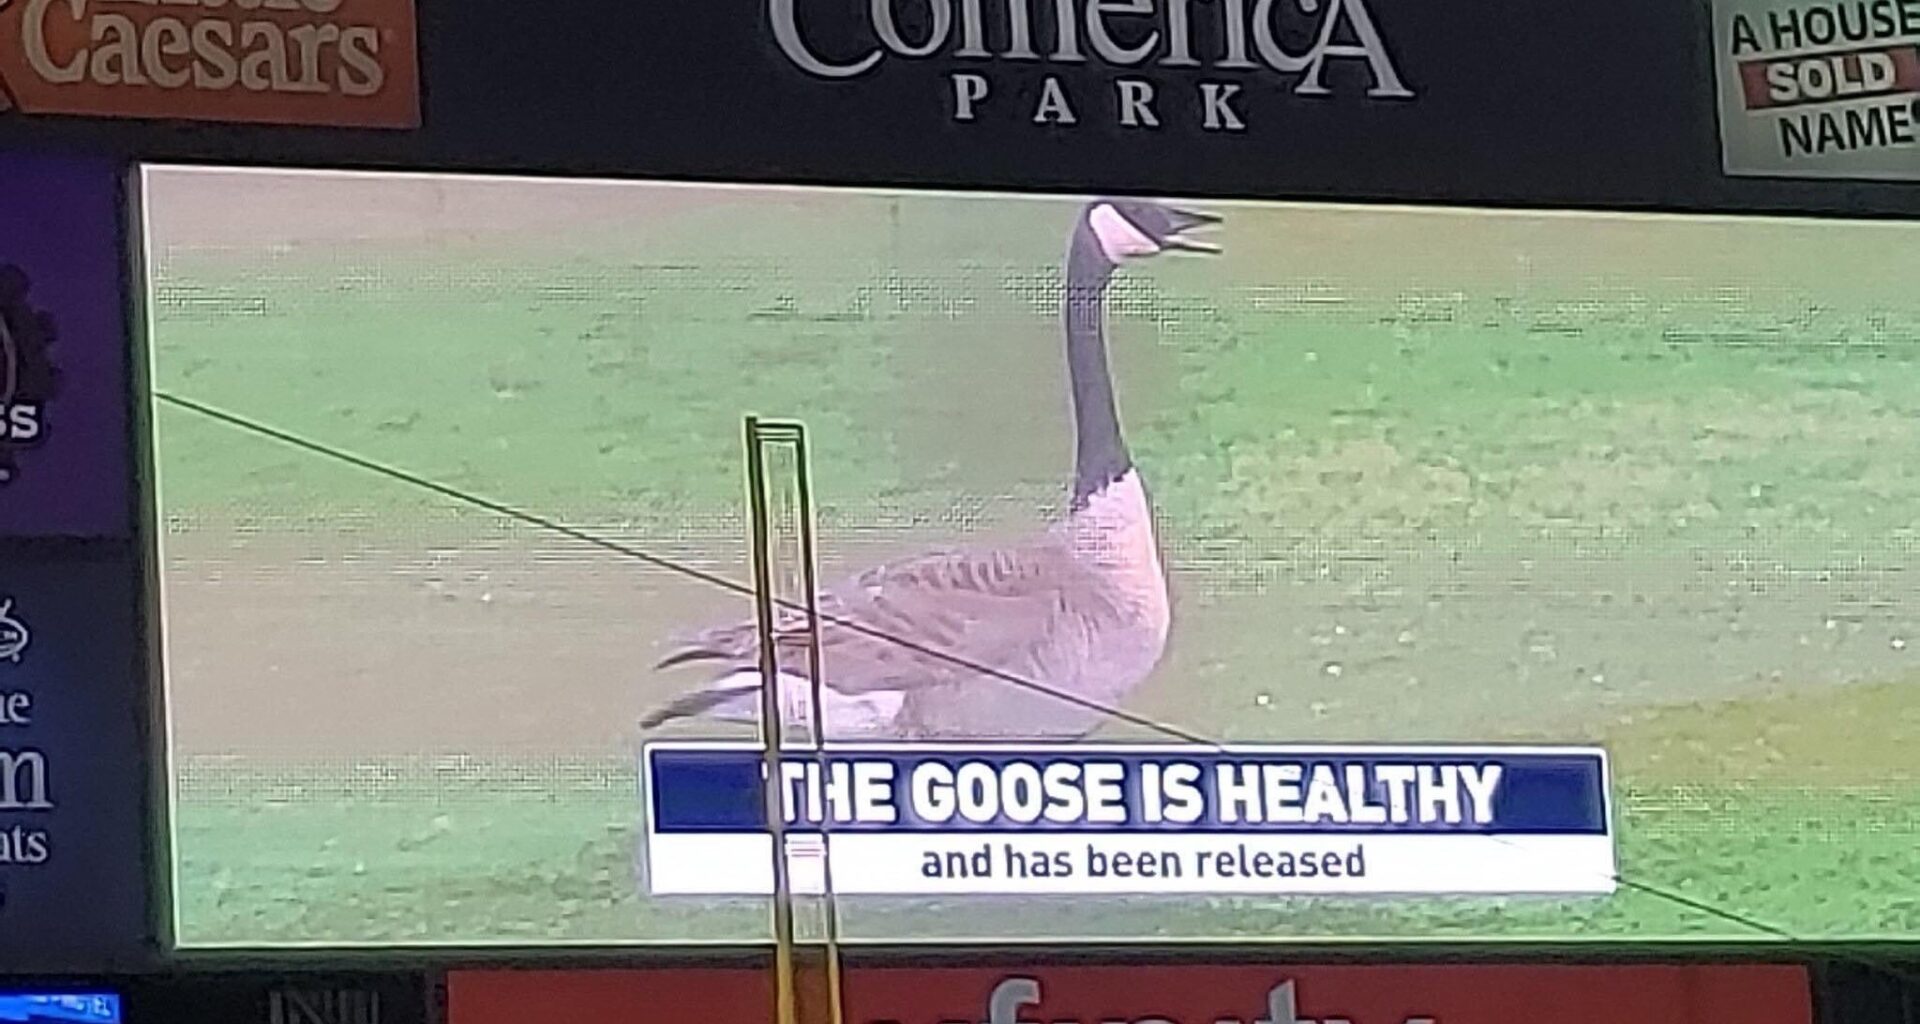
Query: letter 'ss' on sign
(335, 63)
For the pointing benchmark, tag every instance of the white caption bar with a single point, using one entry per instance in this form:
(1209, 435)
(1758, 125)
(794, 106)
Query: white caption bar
(1008, 863)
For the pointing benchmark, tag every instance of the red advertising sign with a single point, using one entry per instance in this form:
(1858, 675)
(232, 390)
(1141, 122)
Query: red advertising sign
(343, 63)
(1458, 994)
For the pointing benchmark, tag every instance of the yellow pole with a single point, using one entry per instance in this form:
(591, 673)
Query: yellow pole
(771, 723)
(798, 987)
(836, 1011)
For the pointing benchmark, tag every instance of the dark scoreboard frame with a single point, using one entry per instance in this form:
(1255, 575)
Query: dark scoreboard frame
(1606, 107)
(1515, 104)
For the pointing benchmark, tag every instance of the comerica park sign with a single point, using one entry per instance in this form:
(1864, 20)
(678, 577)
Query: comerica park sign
(1202, 63)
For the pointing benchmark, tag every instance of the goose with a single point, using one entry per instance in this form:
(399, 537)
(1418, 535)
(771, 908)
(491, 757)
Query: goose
(927, 647)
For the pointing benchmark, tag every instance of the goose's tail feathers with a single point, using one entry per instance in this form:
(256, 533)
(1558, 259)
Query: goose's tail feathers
(690, 655)
(722, 643)
(693, 704)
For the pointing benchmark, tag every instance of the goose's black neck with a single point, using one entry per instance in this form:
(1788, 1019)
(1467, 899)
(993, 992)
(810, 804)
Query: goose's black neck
(1100, 453)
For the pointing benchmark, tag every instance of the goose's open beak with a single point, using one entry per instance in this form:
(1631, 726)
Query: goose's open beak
(1189, 220)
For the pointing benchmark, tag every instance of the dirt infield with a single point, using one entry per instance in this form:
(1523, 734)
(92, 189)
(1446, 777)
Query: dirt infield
(514, 644)
(253, 211)
(524, 647)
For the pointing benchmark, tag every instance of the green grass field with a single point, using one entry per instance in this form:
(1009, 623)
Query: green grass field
(454, 851)
(1421, 476)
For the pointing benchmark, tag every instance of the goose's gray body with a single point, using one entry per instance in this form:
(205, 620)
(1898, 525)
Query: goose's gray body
(923, 648)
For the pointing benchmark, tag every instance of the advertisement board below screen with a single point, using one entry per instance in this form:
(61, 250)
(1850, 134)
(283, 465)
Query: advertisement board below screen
(1483, 994)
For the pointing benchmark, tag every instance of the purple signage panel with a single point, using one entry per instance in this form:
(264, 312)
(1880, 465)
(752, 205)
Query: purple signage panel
(72, 790)
(64, 466)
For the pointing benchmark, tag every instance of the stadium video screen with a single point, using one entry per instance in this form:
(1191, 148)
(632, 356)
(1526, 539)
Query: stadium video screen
(1187, 570)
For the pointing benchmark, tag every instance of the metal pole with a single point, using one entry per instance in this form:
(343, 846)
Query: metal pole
(830, 908)
(771, 727)
(799, 986)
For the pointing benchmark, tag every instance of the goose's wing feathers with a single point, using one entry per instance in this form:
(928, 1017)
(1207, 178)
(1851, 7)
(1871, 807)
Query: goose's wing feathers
(911, 623)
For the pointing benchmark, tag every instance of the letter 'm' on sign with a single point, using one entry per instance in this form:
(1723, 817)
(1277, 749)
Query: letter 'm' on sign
(23, 781)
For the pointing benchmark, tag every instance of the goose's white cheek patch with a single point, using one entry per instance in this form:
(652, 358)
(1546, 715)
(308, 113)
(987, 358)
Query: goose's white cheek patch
(1118, 237)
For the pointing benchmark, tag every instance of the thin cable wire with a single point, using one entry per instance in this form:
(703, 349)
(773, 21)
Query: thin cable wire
(538, 521)
(628, 551)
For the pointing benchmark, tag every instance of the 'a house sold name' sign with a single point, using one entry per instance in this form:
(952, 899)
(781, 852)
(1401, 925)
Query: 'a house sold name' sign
(1827, 89)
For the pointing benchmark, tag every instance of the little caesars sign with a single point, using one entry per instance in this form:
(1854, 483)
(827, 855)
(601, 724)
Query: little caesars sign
(1194, 62)
(344, 63)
